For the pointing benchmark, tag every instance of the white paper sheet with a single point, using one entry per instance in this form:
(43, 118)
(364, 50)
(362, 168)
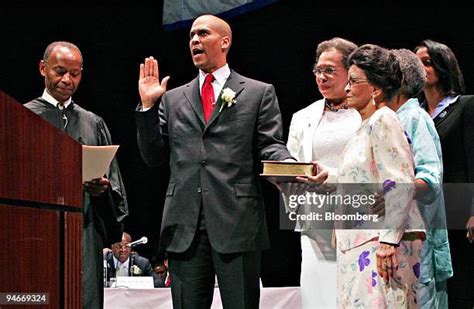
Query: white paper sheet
(96, 161)
(142, 282)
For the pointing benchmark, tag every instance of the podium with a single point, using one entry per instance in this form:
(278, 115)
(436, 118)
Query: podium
(40, 209)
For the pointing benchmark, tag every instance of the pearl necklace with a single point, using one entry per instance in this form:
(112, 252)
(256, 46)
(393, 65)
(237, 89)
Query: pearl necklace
(330, 106)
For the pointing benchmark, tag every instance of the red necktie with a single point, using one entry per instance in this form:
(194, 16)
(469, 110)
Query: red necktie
(167, 281)
(207, 96)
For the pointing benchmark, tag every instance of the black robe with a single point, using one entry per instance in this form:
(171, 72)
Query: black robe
(102, 214)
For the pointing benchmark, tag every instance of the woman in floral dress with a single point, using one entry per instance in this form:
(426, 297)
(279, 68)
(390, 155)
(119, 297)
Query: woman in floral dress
(378, 263)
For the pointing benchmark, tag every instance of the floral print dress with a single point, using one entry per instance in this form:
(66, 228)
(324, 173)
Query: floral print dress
(380, 156)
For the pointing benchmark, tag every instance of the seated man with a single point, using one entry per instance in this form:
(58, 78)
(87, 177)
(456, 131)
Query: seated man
(162, 270)
(123, 262)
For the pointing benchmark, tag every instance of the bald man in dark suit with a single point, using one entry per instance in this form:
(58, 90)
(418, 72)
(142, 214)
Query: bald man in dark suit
(213, 219)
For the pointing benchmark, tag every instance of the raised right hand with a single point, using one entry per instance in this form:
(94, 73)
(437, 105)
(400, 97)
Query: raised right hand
(149, 85)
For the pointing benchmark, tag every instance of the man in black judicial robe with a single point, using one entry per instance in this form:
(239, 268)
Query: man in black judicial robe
(105, 203)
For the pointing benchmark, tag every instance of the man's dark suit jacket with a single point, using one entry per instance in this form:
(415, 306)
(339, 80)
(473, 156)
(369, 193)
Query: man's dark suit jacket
(215, 165)
(455, 127)
(142, 263)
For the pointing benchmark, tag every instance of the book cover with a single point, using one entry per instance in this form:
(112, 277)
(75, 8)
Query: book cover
(284, 171)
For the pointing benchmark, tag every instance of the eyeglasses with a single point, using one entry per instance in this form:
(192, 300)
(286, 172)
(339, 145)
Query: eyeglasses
(352, 81)
(328, 71)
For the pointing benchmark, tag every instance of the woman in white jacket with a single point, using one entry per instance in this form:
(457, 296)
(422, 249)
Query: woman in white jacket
(320, 133)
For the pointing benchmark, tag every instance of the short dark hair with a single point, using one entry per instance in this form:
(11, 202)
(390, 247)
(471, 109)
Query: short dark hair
(345, 47)
(446, 66)
(381, 67)
(49, 49)
(413, 72)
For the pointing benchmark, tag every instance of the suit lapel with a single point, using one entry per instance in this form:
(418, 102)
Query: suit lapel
(312, 120)
(111, 263)
(130, 264)
(438, 120)
(192, 95)
(235, 83)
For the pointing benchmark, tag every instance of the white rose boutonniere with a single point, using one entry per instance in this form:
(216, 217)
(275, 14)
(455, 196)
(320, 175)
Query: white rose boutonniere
(136, 271)
(227, 97)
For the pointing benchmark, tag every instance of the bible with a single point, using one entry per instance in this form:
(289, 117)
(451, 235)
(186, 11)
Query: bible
(285, 171)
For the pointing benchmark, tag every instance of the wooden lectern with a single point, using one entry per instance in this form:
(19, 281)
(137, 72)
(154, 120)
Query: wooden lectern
(40, 208)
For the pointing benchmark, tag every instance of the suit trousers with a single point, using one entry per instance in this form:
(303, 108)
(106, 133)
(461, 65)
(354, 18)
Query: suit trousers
(192, 275)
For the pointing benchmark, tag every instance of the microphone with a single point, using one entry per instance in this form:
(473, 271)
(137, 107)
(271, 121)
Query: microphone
(142, 240)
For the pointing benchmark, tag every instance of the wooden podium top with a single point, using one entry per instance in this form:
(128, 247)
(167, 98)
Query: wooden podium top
(39, 164)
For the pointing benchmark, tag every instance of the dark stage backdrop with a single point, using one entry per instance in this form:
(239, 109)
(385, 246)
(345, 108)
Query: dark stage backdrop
(274, 44)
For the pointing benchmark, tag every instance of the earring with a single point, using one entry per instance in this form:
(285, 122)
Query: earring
(373, 101)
